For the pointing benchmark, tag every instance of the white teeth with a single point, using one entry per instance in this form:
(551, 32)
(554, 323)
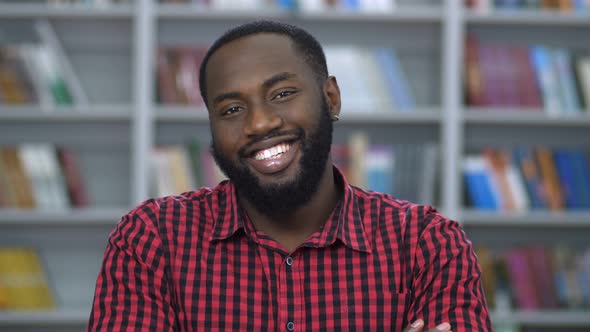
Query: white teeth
(272, 152)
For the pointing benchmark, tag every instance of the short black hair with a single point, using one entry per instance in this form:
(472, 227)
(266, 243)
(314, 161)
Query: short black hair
(309, 48)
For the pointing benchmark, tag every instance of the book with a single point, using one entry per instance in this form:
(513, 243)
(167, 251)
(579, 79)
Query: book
(549, 178)
(74, 182)
(59, 58)
(15, 83)
(567, 84)
(498, 167)
(521, 276)
(396, 79)
(358, 144)
(479, 184)
(24, 280)
(18, 180)
(177, 75)
(472, 74)
(583, 75)
(380, 169)
(525, 162)
(547, 79)
(566, 172)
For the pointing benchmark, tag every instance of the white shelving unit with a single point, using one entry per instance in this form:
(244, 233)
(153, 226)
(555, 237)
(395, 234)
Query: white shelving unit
(113, 51)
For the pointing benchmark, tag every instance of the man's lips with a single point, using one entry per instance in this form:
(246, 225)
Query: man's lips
(272, 152)
(250, 150)
(275, 159)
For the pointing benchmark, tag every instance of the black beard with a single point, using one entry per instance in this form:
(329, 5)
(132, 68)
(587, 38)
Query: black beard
(279, 199)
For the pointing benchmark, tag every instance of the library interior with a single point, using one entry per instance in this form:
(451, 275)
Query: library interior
(480, 108)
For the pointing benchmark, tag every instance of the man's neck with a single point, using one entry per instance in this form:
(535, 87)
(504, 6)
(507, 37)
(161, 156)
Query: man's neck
(293, 229)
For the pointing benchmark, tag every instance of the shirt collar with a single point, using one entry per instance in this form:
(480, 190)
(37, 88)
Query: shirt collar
(346, 223)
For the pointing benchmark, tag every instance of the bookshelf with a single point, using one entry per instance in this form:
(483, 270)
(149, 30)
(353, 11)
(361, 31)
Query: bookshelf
(112, 49)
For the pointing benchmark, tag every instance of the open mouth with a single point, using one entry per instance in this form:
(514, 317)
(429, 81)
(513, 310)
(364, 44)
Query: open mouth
(275, 158)
(274, 152)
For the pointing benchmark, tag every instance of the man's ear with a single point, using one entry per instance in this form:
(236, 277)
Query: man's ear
(332, 94)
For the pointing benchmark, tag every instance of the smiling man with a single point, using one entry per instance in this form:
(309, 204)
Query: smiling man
(286, 244)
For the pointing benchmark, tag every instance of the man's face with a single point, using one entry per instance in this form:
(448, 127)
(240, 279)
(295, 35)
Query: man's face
(269, 120)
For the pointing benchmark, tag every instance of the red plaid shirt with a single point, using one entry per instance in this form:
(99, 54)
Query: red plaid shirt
(194, 262)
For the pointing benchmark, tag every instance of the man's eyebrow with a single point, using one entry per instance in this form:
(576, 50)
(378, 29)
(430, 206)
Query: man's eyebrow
(224, 96)
(266, 84)
(278, 78)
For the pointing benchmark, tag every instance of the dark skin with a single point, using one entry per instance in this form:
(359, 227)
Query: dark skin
(258, 84)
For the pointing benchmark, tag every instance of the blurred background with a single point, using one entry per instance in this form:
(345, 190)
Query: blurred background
(480, 108)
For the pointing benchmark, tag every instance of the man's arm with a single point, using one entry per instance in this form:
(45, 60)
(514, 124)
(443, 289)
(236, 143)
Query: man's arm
(132, 289)
(446, 277)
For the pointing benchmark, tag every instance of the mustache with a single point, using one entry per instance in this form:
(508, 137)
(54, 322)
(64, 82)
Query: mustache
(299, 133)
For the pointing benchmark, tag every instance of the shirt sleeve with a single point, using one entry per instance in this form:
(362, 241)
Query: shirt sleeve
(132, 291)
(446, 282)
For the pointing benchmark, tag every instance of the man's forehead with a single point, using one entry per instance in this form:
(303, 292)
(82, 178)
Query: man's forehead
(259, 55)
(259, 44)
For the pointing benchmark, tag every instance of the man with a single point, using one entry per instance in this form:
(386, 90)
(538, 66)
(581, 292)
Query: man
(286, 244)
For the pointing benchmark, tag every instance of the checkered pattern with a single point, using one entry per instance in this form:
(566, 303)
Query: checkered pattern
(194, 262)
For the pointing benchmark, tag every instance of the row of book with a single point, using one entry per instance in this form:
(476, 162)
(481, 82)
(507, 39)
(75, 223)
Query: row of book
(407, 171)
(369, 79)
(40, 175)
(39, 72)
(535, 277)
(177, 75)
(24, 283)
(296, 5)
(556, 5)
(181, 168)
(537, 77)
(528, 178)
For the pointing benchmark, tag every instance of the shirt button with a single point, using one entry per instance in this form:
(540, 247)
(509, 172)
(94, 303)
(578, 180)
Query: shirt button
(290, 326)
(289, 260)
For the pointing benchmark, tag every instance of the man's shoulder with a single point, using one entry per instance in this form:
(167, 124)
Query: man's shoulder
(164, 209)
(399, 210)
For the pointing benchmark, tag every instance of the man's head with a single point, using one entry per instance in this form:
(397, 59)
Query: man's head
(270, 105)
(304, 43)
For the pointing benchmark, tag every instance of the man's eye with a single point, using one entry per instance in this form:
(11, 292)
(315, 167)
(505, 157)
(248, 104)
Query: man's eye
(231, 110)
(283, 94)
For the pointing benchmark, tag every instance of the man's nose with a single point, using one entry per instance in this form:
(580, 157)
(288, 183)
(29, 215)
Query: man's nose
(262, 119)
